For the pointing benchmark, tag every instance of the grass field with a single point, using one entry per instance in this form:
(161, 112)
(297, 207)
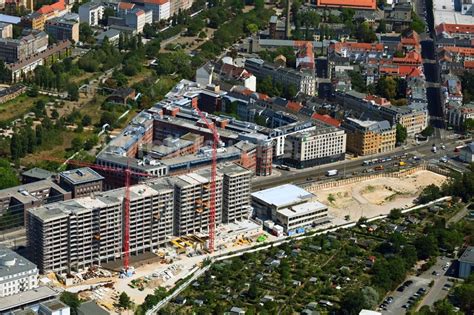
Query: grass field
(18, 107)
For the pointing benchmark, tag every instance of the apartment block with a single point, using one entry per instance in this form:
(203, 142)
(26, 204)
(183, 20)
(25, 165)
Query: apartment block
(91, 13)
(161, 8)
(75, 234)
(303, 82)
(13, 50)
(369, 137)
(324, 144)
(192, 196)
(235, 193)
(62, 29)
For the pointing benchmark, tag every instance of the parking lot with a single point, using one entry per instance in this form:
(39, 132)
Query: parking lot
(438, 291)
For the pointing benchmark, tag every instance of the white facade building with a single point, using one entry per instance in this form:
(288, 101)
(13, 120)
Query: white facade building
(91, 13)
(161, 9)
(17, 274)
(302, 216)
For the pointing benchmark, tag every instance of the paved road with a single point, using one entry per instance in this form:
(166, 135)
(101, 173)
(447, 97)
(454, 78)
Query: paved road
(437, 292)
(350, 166)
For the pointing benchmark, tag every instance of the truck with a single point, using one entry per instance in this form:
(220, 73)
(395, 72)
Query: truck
(331, 173)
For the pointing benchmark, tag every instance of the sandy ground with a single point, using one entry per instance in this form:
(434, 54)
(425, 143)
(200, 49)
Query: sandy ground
(376, 196)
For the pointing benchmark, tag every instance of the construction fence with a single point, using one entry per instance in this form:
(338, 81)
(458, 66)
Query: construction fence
(313, 187)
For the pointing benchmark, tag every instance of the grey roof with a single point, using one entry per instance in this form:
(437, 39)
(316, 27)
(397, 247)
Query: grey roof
(22, 192)
(11, 263)
(91, 308)
(38, 173)
(27, 297)
(468, 255)
(54, 305)
(111, 33)
(9, 19)
(80, 176)
(232, 169)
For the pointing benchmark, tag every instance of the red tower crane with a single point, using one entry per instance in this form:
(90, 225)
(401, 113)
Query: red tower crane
(212, 213)
(126, 202)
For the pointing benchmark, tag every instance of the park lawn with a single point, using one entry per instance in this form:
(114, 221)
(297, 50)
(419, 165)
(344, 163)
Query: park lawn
(19, 106)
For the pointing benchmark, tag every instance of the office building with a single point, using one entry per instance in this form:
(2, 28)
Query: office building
(75, 234)
(27, 299)
(91, 13)
(14, 201)
(36, 174)
(17, 274)
(289, 206)
(369, 137)
(53, 307)
(303, 82)
(235, 192)
(62, 29)
(457, 115)
(81, 182)
(322, 145)
(14, 50)
(466, 263)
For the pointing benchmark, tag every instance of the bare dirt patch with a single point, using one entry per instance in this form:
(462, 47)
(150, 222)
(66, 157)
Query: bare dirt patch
(376, 196)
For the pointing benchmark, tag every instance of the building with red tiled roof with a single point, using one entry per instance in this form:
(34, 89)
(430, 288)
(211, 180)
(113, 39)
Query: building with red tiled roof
(294, 106)
(455, 30)
(469, 64)
(352, 4)
(381, 101)
(52, 8)
(327, 119)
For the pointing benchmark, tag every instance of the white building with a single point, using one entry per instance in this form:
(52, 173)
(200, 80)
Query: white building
(17, 274)
(91, 13)
(289, 206)
(54, 307)
(322, 145)
(161, 9)
(301, 216)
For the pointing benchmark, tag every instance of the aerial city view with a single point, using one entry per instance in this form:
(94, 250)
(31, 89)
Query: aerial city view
(236, 157)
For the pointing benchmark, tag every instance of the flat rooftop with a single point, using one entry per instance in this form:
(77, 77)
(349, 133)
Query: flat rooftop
(283, 196)
(468, 255)
(305, 208)
(54, 305)
(11, 263)
(444, 12)
(26, 298)
(80, 176)
(38, 173)
(231, 169)
(23, 193)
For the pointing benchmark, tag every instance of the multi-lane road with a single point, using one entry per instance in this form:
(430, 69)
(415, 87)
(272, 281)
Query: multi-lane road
(348, 167)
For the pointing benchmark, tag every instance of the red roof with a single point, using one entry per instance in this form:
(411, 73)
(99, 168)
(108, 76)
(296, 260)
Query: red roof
(355, 4)
(412, 58)
(455, 28)
(461, 50)
(352, 46)
(294, 106)
(126, 5)
(326, 119)
(158, 2)
(469, 64)
(57, 6)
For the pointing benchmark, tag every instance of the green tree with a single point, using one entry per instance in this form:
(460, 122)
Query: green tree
(386, 87)
(124, 301)
(401, 134)
(352, 303)
(395, 214)
(429, 193)
(8, 177)
(428, 131)
(76, 144)
(252, 28)
(86, 120)
(464, 295)
(72, 300)
(468, 124)
(73, 92)
(426, 246)
(253, 290)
